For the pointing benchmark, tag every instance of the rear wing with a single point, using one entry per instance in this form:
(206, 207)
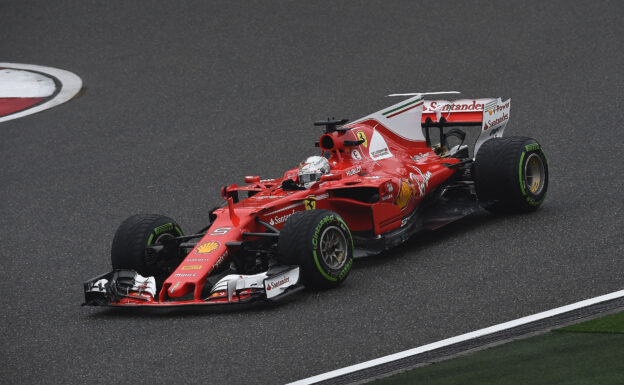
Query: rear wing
(402, 118)
(492, 115)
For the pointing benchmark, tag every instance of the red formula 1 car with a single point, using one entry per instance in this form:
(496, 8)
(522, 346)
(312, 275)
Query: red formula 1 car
(376, 182)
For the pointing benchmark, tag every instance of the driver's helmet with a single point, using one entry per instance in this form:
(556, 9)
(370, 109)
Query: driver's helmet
(311, 169)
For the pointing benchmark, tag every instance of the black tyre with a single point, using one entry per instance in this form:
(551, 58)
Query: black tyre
(138, 232)
(320, 242)
(511, 174)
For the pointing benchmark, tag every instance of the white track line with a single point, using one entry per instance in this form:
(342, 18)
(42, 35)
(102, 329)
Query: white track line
(460, 338)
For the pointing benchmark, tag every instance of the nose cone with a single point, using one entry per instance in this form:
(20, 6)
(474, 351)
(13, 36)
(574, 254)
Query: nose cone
(179, 289)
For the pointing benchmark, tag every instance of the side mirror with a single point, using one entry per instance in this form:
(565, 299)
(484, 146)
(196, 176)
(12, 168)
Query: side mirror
(252, 179)
(328, 177)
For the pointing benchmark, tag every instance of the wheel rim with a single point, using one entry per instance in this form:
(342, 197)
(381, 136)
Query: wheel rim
(534, 174)
(333, 247)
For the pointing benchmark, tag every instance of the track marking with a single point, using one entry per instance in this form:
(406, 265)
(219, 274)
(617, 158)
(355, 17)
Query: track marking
(28, 88)
(459, 338)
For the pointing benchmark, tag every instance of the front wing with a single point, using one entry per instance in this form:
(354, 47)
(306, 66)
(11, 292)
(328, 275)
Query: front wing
(127, 288)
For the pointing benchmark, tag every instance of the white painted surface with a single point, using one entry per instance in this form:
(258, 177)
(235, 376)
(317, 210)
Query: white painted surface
(24, 84)
(70, 86)
(378, 148)
(495, 118)
(405, 124)
(460, 338)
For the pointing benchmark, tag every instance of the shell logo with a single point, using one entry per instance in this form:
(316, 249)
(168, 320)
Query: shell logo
(208, 247)
(404, 195)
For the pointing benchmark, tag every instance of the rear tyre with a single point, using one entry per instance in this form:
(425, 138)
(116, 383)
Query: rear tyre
(511, 175)
(135, 234)
(320, 242)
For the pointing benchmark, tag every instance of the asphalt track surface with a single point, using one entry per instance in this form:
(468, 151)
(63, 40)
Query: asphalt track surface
(182, 98)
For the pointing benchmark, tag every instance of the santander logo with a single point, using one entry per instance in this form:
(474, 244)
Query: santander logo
(273, 285)
(280, 219)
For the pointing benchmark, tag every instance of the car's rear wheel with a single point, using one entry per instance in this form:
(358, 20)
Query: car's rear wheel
(133, 241)
(320, 242)
(511, 174)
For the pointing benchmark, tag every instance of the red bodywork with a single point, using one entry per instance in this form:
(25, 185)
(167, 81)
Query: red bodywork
(401, 181)
(379, 174)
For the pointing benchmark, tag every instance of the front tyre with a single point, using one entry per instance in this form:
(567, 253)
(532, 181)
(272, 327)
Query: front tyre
(511, 174)
(319, 241)
(139, 232)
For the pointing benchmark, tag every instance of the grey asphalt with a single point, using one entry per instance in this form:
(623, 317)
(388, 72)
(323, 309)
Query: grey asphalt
(184, 97)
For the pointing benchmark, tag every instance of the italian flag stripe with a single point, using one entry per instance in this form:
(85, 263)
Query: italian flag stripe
(407, 109)
(403, 106)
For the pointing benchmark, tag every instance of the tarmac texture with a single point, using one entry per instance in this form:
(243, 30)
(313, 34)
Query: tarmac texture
(182, 98)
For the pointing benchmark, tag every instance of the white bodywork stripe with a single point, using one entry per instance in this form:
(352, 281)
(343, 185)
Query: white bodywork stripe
(460, 338)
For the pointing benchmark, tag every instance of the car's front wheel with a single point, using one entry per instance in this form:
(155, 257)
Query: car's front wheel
(319, 241)
(140, 244)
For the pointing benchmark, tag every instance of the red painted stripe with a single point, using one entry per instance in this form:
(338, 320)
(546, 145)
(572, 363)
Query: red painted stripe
(10, 106)
(456, 116)
(405, 110)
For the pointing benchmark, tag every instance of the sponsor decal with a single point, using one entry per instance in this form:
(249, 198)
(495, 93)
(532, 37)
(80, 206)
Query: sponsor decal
(489, 107)
(378, 147)
(355, 154)
(26, 89)
(403, 222)
(281, 218)
(273, 285)
(172, 289)
(265, 197)
(532, 147)
(463, 105)
(219, 294)
(163, 228)
(197, 260)
(380, 153)
(207, 247)
(386, 197)
(362, 136)
(220, 260)
(495, 122)
(423, 182)
(403, 108)
(185, 275)
(277, 284)
(418, 157)
(389, 187)
(286, 208)
(373, 177)
(404, 195)
(499, 112)
(221, 231)
(310, 203)
(354, 171)
(192, 267)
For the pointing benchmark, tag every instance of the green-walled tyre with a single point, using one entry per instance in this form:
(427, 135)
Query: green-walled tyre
(319, 241)
(511, 175)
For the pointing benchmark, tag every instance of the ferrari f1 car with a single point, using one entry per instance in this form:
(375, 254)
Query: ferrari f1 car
(376, 182)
